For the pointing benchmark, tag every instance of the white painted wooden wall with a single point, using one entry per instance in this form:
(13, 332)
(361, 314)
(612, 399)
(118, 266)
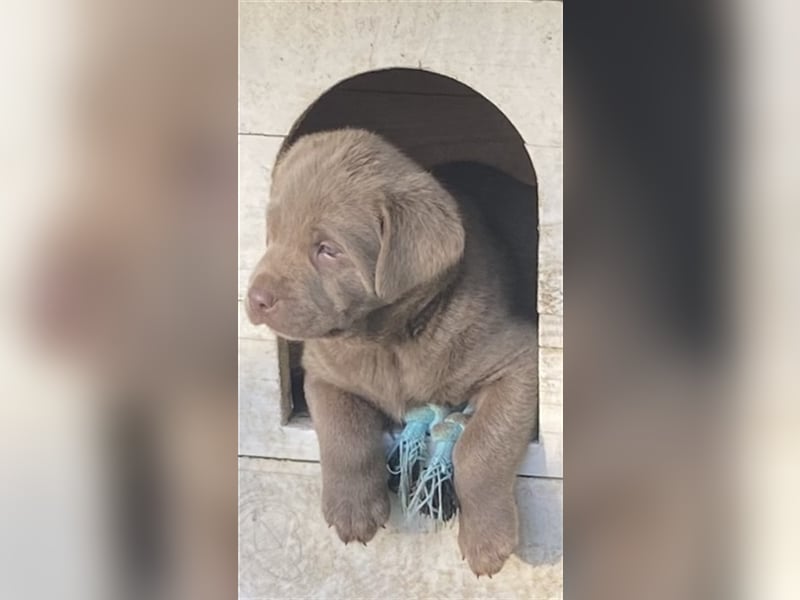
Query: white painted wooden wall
(291, 53)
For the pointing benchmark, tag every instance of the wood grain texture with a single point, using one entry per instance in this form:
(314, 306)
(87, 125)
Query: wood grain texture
(262, 434)
(549, 165)
(551, 374)
(551, 331)
(551, 270)
(287, 551)
(291, 53)
(256, 159)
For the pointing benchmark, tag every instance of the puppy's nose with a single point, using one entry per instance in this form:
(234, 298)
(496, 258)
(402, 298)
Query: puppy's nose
(260, 300)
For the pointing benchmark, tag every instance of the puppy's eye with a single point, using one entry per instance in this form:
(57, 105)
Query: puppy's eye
(327, 250)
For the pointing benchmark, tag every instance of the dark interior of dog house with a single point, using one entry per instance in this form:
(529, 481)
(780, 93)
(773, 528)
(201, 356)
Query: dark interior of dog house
(463, 139)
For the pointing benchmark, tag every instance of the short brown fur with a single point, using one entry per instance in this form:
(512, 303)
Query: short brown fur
(401, 298)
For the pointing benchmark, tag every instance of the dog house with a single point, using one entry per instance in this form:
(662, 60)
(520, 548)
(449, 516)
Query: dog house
(475, 84)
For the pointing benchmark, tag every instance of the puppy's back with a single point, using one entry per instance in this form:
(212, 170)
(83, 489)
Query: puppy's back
(500, 215)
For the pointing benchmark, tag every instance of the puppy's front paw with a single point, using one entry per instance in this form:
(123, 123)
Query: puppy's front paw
(486, 543)
(356, 511)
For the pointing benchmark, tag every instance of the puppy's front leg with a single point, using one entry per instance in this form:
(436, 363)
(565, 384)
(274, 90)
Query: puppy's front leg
(355, 497)
(486, 459)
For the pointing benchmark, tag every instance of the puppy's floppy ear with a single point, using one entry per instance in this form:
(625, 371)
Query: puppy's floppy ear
(421, 235)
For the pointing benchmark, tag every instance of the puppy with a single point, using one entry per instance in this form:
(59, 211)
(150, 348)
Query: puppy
(401, 298)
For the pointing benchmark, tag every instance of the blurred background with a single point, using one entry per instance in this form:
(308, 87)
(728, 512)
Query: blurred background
(118, 402)
(681, 295)
(118, 169)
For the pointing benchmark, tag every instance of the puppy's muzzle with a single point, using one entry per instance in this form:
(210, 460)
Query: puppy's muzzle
(260, 302)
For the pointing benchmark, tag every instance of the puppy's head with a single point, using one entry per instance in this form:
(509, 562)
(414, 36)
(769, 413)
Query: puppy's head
(352, 225)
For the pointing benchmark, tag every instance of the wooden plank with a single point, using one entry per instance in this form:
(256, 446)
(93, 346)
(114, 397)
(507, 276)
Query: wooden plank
(550, 419)
(291, 53)
(261, 433)
(260, 415)
(551, 363)
(287, 551)
(262, 408)
(551, 270)
(549, 166)
(298, 441)
(256, 158)
(551, 331)
(544, 458)
(551, 246)
(551, 291)
(551, 389)
(551, 375)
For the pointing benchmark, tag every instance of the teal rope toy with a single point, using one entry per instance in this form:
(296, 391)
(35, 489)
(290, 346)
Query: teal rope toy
(435, 493)
(409, 452)
(422, 480)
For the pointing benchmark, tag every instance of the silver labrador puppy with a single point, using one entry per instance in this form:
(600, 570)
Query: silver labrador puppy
(401, 298)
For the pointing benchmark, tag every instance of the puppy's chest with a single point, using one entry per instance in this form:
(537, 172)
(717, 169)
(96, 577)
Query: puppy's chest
(393, 378)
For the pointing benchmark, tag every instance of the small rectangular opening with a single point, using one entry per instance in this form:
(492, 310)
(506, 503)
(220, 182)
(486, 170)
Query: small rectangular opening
(293, 400)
